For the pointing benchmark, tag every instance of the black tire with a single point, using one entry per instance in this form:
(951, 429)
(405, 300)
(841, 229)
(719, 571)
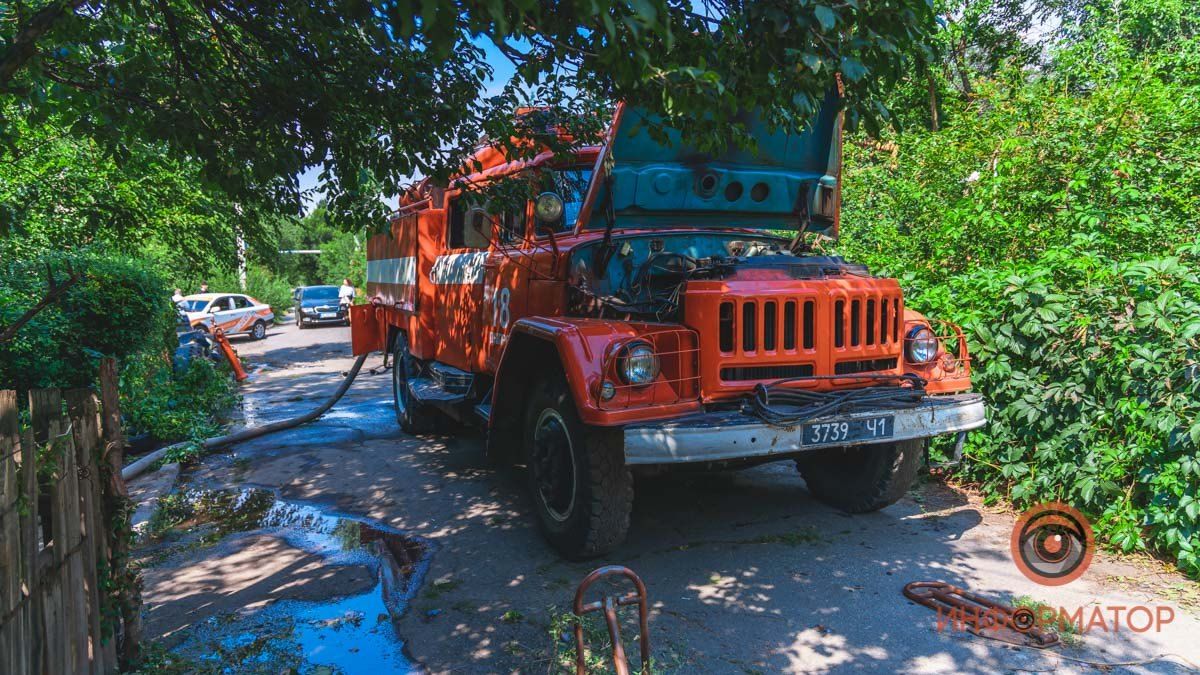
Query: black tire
(581, 488)
(259, 330)
(863, 478)
(412, 416)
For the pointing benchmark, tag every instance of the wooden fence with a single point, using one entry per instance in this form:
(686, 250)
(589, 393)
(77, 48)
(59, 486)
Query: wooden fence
(53, 537)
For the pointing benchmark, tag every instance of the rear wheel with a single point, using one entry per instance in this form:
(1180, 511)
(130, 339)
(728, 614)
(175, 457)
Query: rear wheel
(862, 478)
(259, 331)
(413, 416)
(582, 490)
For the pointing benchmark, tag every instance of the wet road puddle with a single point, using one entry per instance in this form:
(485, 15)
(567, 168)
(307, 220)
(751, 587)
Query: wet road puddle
(353, 633)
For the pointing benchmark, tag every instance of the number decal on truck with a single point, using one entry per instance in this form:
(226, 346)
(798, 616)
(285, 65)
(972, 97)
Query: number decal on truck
(500, 313)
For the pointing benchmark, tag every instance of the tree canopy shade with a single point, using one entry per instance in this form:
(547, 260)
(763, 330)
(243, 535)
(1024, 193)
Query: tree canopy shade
(371, 93)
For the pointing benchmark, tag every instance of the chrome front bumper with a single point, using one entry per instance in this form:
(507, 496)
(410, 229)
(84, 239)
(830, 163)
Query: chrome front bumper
(709, 437)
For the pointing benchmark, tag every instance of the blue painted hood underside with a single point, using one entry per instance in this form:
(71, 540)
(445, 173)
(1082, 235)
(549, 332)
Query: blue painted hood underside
(779, 187)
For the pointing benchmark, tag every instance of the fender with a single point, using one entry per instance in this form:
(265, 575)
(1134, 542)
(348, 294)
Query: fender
(580, 347)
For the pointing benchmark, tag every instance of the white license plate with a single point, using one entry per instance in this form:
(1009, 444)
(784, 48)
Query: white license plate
(866, 429)
(327, 315)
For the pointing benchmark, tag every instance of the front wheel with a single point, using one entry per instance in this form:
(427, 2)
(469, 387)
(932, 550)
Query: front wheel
(582, 489)
(862, 478)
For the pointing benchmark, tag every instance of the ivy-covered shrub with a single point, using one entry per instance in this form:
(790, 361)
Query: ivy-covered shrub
(173, 407)
(120, 307)
(1056, 216)
(1091, 369)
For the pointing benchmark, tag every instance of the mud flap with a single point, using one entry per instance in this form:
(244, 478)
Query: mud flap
(368, 331)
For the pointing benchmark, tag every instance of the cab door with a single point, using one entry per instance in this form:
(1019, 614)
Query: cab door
(457, 278)
(506, 283)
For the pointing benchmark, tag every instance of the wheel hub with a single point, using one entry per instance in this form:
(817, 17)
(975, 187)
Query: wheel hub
(553, 465)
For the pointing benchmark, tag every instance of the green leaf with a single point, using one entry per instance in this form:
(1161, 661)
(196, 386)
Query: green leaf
(853, 69)
(826, 17)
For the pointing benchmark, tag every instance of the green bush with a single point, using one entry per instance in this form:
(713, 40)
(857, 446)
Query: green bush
(1055, 216)
(174, 407)
(1090, 369)
(121, 307)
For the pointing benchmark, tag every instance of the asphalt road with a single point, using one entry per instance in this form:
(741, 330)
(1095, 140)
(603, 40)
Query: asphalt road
(746, 572)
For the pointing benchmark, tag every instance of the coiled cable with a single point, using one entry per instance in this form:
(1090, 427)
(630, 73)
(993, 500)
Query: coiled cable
(778, 405)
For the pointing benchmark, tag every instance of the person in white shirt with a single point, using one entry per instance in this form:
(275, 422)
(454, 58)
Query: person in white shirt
(346, 293)
(178, 297)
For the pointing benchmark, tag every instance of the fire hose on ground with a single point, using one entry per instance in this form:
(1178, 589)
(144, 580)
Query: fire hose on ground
(151, 459)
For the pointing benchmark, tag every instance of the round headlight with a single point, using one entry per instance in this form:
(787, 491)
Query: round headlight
(548, 207)
(639, 364)
(921, 345)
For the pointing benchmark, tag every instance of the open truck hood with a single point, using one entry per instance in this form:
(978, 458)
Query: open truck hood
(792, 181)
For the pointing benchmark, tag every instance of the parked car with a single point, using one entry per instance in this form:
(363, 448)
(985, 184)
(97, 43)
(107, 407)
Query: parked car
(233, 313)
(319, 304)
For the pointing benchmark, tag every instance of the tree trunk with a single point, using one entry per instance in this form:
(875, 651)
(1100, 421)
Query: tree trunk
(964, 73)
(117, 513)
(934, 121)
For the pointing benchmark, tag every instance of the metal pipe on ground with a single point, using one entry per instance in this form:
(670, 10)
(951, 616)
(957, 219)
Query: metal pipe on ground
(140, 466)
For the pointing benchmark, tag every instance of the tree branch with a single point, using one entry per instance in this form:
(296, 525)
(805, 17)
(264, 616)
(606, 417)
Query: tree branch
(54, 295)
(24, 45)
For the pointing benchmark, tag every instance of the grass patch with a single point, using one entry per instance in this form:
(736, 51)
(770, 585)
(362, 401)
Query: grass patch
(1065, 629)
(803, 536)
(598, 646)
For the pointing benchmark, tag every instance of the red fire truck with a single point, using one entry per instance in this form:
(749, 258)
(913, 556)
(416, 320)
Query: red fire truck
(650, 305)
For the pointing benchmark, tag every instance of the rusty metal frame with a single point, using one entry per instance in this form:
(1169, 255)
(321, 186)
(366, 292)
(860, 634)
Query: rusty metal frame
(956, 358)
(946, 599)
(609, 604)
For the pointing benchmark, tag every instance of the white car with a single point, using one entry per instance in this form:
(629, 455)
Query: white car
(231, 312)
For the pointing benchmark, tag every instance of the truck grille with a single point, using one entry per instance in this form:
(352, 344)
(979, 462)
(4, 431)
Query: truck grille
(866, 366)
(838, 332)
(755, 330)
(798, 320)
(869, 321)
